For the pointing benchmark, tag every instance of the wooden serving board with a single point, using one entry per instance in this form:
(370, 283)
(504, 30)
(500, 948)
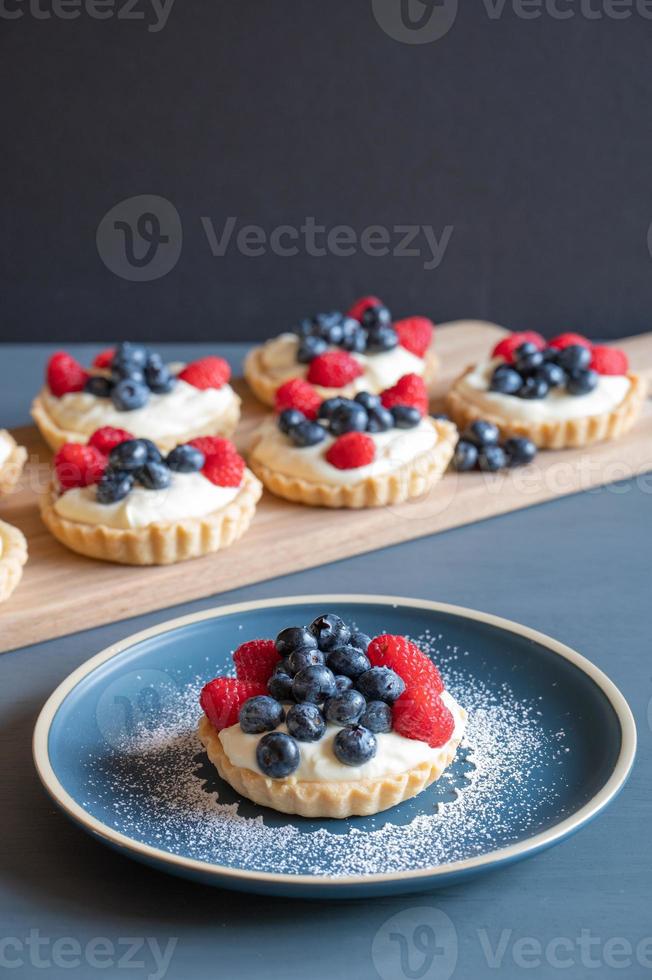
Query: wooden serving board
(62, 592)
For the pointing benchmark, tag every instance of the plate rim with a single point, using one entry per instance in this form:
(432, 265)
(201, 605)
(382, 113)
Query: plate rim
(223, 873)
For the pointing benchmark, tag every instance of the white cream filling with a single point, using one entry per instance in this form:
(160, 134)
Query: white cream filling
(380, 371)
(557, 405)
(393, 449)
(183, 409)
(5, 448)
(189, 495)
(395, 754)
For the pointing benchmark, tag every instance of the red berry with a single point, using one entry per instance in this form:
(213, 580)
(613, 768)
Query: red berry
(351, 450)
(564, 340)
(405, 658)
(77, 465)
(408, 390)
(222, 698)
(334, 369)
(421, 714)
(104, 359)
(224, 469)
(415, 334)
(255, 660)
(208, 372)
(298, 394)
(107, 438)
(508, 345)
(65, 374)
(214, 445)
(609, 360)
(363, 304)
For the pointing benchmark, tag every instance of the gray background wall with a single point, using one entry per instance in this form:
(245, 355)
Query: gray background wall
(521, 136)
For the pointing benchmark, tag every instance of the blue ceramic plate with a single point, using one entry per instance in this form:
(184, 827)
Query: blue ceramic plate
(550, 742)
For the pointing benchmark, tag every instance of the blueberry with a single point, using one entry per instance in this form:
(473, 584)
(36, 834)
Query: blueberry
(581, 382)
(154, 476)
(348, 660)
(128, 395)
(377, 717)
(313, 684)
(307, 434)
(492, 458)
(342, 683)
(406, 416)
(482, 433)
(379, 419)
(305, 722)
(289, 418)
(345, 708)
(381, 684)
(304, 657)
(527, 363)
(98, 386)
(158, 378)
(348, 417)
(280, 686)
(127, 353)
(260, 714)
(311, 347)
(334, 332)
(466, 456)
(130, 455)
(552, 373)
(154, 454)
(367, 400)
(376, 316)
(328, 406)
(277, 755)
(574, 358)
(294, 637)
(330, 631)
(305, 328)
(534, 388)
(355, 341)
(519, 451)
(354, 745)
(505, 380)
(381, 339)
(114, 486)
(185, 459)
(525, 349)
(360, 640)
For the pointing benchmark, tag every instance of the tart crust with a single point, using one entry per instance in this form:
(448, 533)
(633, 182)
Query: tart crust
(13, 556)
(558, 433)
(264, 387)
(410, 480)
(322, 799)
(157, 543)
(12, 467)
(55, 436)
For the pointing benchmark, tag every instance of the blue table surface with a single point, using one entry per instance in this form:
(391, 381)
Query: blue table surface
(577, 568)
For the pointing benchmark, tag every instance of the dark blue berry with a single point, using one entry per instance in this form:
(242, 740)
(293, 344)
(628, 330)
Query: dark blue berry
(360, 640)
(552, 373)
(519, 451)
(377, 717)
(348, 417)
(354, 745)
(330, 631)
(376, 316)
(381, 684)
(280, 686)
(379, 419)
(381, 339)
(311, 347)
(492, 458)
(292, 638)
(128, 353)
(581, 382)
(526, 349)
(574, 358)
(406, 416)
(305, 722)
(154, 454)
(260, 714)
(345, 708)
(355, 341)
(130, 455)
(307, 434)
(482, 433)
(114, 486)
(125, 370)
(277, 755)
(527, 363)
(289, 418)
(466, 456)
(128, 395)
(329, 405)
(342, 683)
(367, 400)
(185, 459)
(304, 657)
(98, 386)
(313, 684)
(348, 660)
(505, 380)
(534, 388)
(158, 378)
(154, 476)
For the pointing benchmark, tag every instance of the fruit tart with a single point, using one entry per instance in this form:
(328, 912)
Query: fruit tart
(12, 460)
(325, 722)
(367, 451)
(131, 386)
(343, 354)
(564, 393)
(13, 555)
(120, 499)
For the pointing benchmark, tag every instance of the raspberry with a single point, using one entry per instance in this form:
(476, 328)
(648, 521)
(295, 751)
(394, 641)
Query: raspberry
(224, 469)
(405, 658)
(298, 394)
(77, 465)
(222, 698)
(421, 714)
(408, 390)
(334, 369)
(362, 304)
(505, 348)
(609, 360)
(208, 372)
(65, 374)
(104, 359)
(351, 450)
(214, 446)
(107, 438)
(255, 660)
(569, 340)
(415, 334)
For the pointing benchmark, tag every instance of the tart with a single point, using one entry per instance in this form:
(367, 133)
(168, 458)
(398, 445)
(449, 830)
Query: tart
(119, 499)
(12, 460)
(13, 555)
(131, 386)
(567, 393)
(326, 722)
(370, 451)
(342, 354)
